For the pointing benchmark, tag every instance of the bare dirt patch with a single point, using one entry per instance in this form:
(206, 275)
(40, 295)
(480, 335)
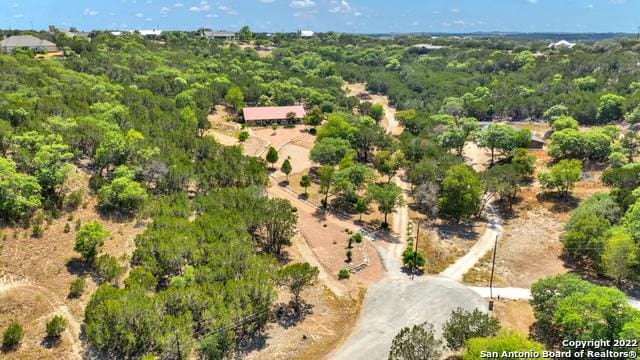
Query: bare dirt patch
(331, 318)
(515, 315)
(42, 267)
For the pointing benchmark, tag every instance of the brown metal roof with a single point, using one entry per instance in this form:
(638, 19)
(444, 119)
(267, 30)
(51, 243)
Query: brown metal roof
(272, 112)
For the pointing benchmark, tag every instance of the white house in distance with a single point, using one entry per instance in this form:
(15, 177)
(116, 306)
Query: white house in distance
(561, 44)
(26, 42)
(220, 35)
(306, 34)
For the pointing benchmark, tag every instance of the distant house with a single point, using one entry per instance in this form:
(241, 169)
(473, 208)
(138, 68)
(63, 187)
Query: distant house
(424, 48)
(220, 35)
(536, 142)
(150, 34)
(307, 34)
(26, 42)
(561, 44)
(270, 114)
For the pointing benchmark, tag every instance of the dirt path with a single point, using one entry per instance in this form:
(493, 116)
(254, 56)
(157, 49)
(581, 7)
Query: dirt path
(486, 242)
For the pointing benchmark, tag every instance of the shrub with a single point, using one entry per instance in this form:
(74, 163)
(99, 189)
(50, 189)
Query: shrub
(357, 237)
(67, 228)
(244, 135)
(107, 268)
(56, 326)
(12, 336)
(343, 274)
(77, 287)
(122, 194)
(74, 199)
(349, 255)
(37, 231)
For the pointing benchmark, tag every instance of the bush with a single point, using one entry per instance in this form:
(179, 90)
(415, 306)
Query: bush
(37, 231)
(244, 135)
(77, 287)
(67, 228)
(56, 326)
(343, 274)
(357, 237)
(74, 199)
(108, 268)
(12, 336)
(349, 256)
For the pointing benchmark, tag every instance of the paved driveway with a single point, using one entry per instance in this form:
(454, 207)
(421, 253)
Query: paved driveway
(395, 303)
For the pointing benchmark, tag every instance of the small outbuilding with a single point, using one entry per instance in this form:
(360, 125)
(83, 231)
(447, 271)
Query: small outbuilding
(536, 142)
(26, 42)
(265, 115)
(561, 44)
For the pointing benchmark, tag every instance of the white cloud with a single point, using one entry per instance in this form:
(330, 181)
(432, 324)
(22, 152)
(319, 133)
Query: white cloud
(267, 1)
(178, 5)
(340, 7)
(211, 15)
(164, 11)
(204, 7)
(590, 6)
(89, 12)
(139, 15)
(227, 9)
(357, 13)
(15, 5)
(459, 22)
(148, 2)
(455, 10)
(302, 4)
(18, 16)
(148, 19)
(617, 2)
(532, 1)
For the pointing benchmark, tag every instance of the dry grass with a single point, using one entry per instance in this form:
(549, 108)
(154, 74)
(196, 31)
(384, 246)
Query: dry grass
(41, 269)
(515, 315)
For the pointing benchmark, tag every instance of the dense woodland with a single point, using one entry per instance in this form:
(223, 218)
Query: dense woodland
(132, 114)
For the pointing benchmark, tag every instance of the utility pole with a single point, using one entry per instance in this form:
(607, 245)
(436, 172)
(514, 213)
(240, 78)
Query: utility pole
(415, 253)
(493, 265)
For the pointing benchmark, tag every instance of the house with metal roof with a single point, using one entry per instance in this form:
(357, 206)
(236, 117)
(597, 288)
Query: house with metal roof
(26, 42)
(264, 115)
(307, 34)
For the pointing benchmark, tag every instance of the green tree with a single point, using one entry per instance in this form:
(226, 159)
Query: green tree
(555, 112)
(89, 238)
(297, 277)
(272, 156)
(313, 118)
(235, 98)
(505, 341)
(123, 194)
(286, 168)
(599, 313)
(586, 83)
(620, 256)
(585, 236)
(388, 163)
(19, 193)
(51, 167)
(360, 208)
(546, 295)
(108, 269)
(56, 326)
(611, 108)
(525, 162)
(464, 325)
(245, 34)
(460, 194)
(326, 176)
(418, 342)
(504, 180)
(388, 197)
(12, 335)
(564, 122)
(305, 182)
(77, 287)
(503, 137)
(562, 176)
(376, 112)
(329, 151)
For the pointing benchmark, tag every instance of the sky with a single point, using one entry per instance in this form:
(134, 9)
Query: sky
(361, 16)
